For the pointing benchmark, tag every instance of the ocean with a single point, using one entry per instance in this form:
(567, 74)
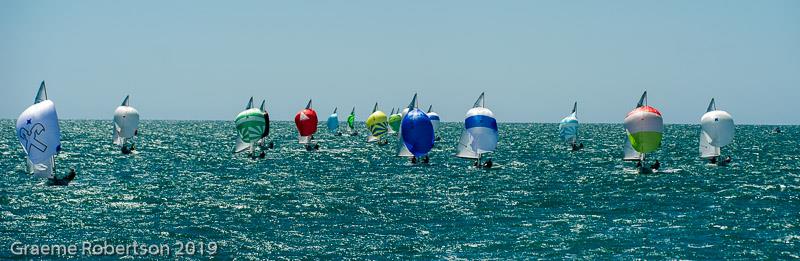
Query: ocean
(356, 200)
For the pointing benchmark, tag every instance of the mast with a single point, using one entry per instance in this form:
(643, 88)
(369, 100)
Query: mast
(374, 109)
(308, 106)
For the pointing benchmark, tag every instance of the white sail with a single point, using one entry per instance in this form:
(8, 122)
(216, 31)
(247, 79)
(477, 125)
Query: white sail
(464, 148)
(39, 134)
(707, 150)
(126, 122)
(241, 146)
(630, 153)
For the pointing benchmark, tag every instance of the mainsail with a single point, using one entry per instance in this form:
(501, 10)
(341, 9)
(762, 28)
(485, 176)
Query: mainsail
(416, 130)
(306, 122)
(717, 130)
(126, 122)
(568, 128)
(333, 121)
(480, 133)
(377, 124)
(39, 134)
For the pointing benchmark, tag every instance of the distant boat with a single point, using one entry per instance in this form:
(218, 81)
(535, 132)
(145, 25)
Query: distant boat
(394, 121)
(306, 122)
(434, 121)
(251, 125)
(351, 123)
(717, 130)
(126, 126)
(416, 132)
(40, 136)
(333, 122)
(479, 135)
(568, 129)
(377, 124)
(644, 128)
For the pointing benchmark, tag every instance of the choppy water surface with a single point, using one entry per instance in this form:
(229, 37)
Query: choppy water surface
(357, 200)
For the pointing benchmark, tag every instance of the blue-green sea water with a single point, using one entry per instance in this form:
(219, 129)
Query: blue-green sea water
(351, 199)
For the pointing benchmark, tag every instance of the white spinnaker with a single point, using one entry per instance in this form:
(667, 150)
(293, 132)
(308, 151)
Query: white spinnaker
(630, 154)
(40, 136)
(719, 127)
(126, 122)
(707, 150)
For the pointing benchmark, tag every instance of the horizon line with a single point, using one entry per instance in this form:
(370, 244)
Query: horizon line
(514, 122)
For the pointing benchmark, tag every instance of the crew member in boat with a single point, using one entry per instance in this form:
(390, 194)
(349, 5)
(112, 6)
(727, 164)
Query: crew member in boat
(656, 165)
(488, 164)
(65, 180)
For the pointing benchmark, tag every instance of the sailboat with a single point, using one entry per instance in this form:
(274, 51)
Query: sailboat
(40, 136)
(394, 121)
(251, 127)
(306, 122)
(333, 123)
(377, 124)
(434, 120)
(351, 123)
(416, 133)
(479, 135)
(717, 130)
(126, 126)
(568, 129)
(644, 128)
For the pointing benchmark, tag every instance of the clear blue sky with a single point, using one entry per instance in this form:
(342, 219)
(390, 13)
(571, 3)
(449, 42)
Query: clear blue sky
(204, 59)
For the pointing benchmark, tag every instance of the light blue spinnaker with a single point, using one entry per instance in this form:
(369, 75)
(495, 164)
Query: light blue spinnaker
(568, 128)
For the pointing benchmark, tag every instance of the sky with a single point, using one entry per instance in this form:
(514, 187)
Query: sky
(202, 60)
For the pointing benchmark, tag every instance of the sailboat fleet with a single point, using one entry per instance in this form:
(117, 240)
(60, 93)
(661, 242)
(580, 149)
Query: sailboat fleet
(39, 134)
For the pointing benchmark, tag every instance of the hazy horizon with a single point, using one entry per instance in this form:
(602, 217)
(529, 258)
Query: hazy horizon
(198, 60)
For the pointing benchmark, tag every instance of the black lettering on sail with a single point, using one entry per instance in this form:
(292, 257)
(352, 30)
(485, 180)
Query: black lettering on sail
(31, 137)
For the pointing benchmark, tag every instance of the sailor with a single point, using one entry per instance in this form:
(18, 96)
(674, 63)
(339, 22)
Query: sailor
(488, 164)
(655, 165)
(338, 133)
(271, 145)
(65, 180)
(777, 130)
(574, 147)
(426, 159)
(125, 149)
(262, 155)
(413, 160)
(316, 146)
(728, 159)
(580, 146)
(639, 164)
(713, 160)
